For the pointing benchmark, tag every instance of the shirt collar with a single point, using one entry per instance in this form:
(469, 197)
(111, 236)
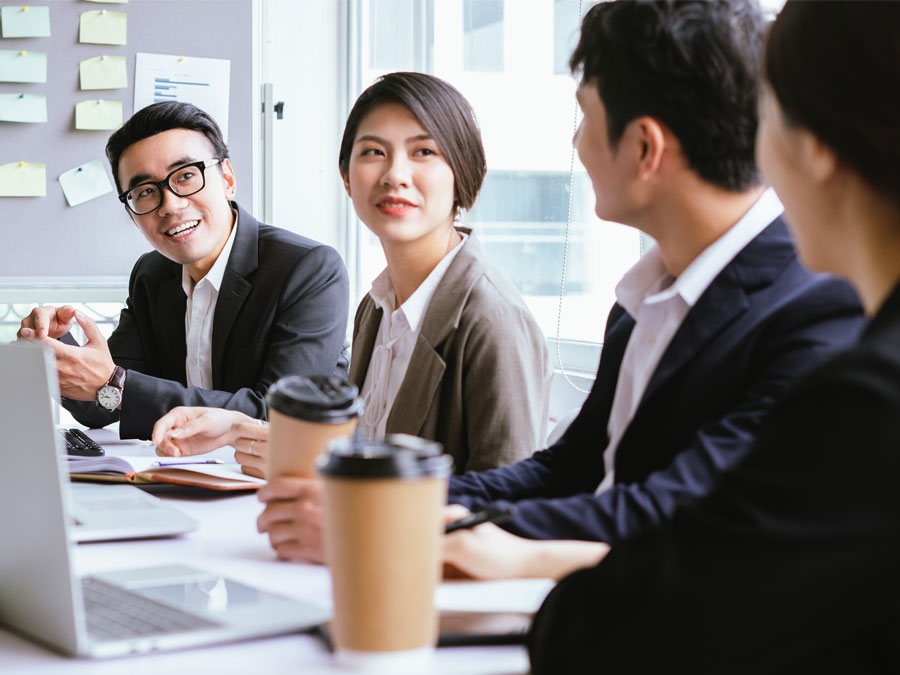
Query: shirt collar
(648, 277)
(416, 305)
(217, 272)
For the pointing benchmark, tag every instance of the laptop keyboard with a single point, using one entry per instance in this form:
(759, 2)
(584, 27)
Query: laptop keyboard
(116, 613)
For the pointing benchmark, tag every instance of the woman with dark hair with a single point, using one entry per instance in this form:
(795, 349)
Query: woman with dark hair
(443, 345)
(791, 565)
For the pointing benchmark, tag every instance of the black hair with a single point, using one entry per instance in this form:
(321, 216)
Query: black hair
(834, 68)
(443, 112)
(693, 65)
(160, 117)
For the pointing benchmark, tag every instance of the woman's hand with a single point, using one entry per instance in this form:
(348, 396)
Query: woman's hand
(186, 431)
(490, 552)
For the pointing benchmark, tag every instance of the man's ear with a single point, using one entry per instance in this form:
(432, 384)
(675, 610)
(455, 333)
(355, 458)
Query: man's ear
(228, 178)
(650, 138)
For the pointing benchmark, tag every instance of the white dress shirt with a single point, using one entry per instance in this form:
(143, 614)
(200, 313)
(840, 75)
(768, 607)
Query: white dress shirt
(658, 303)
(198, 317)
(394, 344)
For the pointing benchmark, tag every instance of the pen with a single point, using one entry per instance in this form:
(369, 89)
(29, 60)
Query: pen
(199, 461)
(489, 515)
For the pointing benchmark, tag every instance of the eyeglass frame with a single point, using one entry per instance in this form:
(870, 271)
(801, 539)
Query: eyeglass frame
(201, 165)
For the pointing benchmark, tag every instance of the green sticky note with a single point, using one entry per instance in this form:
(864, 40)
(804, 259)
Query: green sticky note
(97, 115)
(20, 65)
(25, 21)
(85, 182)
(102, 27)
(23, 108)
(103, 72)
(23, 179)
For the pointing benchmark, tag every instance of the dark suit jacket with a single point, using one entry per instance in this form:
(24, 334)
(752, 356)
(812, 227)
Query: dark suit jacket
(478, 379)
(789, 566)
(763, 321)
(282, 310)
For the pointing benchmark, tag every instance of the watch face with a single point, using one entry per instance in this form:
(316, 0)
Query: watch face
(109, 397)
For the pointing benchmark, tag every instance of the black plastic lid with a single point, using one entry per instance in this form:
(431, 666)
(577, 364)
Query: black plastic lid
(397, 456)
(317, 398)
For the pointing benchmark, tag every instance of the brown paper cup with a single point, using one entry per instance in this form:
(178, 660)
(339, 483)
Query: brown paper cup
(295, 444)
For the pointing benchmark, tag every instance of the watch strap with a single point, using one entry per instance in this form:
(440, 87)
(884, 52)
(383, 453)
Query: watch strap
(117, 379)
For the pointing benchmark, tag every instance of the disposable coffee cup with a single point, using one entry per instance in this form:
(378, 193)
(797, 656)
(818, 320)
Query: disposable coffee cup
(383, 502)
(304, 413)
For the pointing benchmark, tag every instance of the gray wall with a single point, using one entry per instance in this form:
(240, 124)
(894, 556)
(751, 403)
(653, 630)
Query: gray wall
(43, 236)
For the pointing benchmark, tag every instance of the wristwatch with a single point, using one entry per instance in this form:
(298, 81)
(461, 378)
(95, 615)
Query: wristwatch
(109, 396)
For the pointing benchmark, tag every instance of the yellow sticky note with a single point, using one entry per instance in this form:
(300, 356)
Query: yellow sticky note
(23, 179)
(23, 108)
(85, 182)
(25, 21)
(20, 65)
(103, 72)
(97, 115)
(102, 27)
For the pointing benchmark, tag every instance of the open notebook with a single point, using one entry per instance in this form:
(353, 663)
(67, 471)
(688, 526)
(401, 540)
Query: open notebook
(193, 472)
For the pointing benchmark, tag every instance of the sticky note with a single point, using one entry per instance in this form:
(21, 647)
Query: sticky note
(96, 115)
(85, 182)
(23, 179)
(25, 21)
(23, 108)
(102, 27)
(21, 65)
(103, 72)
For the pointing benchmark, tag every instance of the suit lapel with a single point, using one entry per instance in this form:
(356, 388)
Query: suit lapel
(368, 324)
(170, 308)
(235, 287)
(427, 365)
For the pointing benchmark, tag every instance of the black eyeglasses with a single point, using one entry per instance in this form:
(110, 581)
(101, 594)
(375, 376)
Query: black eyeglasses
(184, 181)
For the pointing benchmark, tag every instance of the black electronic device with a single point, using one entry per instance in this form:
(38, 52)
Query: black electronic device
(80, 444)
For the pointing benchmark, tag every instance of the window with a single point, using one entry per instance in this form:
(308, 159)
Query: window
(510, 60)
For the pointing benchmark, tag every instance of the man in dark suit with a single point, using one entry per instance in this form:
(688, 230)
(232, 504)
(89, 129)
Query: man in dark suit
(220, 310)
(715, 321)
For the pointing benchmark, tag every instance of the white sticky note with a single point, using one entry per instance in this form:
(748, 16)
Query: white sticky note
(20, 65)
(23, 179)
(102, 27)
(98, 115)
(103, 72)
(23, 108)
(25, 21)
(85, 182)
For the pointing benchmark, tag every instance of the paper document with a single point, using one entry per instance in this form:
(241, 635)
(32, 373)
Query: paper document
(23, 179)
(23, 108)
(25, 21)
(103, 72)
(85, 182)
(21, 65)
(203, 82)
(103, 27)
(506, 595)
(98, 115)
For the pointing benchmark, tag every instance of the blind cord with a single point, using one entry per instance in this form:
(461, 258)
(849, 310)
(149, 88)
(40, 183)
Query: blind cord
(565, 257)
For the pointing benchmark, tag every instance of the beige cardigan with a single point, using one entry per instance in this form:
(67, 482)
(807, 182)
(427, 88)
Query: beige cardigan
(478, 380)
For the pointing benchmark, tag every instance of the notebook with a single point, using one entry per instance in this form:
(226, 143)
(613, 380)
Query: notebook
(165, 607)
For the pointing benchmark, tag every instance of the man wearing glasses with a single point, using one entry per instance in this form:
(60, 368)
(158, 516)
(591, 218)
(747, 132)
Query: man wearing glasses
(221, 309)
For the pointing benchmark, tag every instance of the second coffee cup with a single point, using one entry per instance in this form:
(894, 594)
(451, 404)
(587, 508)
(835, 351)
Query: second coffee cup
(304, 413)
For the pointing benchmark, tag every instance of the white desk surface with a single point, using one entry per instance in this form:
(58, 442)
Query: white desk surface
(227, 542)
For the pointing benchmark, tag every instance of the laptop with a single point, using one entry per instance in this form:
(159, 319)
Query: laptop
(113, 512)
(118, 612)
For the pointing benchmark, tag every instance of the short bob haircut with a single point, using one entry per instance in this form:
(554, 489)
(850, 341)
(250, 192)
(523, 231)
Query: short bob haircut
(443, 112)
(833, 68)
(160, 117)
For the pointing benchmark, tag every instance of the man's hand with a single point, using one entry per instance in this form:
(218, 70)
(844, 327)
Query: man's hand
(81, 370)
(185, 431)
(293, 517)
(47, 322)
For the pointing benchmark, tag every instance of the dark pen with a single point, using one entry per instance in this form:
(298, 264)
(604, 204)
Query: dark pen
(488, 515)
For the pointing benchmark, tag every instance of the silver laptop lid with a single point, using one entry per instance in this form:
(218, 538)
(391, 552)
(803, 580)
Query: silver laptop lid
(37, 597)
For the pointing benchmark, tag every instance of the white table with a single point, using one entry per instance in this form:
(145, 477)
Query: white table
(227, 542)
